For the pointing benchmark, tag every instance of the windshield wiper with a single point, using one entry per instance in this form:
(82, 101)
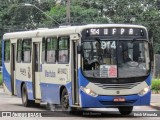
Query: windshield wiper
(135, 39)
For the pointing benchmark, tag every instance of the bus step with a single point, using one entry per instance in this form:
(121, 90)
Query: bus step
(38, 101)
(75, 106)
(43, 103)
(76, 103)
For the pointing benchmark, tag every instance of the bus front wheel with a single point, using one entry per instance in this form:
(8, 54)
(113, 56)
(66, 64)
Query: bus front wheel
(65, 100)
(26, 102)
(125, 110)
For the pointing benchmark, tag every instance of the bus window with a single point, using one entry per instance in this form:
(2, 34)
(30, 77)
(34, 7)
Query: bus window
(43, 49)
(26, 50)
(51, 50)
(63, 52)
(19, 50)
(7, 50)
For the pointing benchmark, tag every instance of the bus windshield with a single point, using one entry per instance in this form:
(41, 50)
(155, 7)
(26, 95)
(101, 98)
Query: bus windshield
(115, 59)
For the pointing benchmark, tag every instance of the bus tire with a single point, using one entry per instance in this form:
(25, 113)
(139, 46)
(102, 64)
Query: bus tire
(65, 100)
(125, 110)
(26, 102)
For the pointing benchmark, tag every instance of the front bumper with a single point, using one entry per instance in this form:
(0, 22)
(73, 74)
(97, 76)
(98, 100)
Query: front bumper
(88, 101)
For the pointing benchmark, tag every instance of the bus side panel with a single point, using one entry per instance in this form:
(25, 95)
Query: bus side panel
(18, 87)
(53, 77)
(68, 87)
(29, 88)
(6, 77)
(23, 75)
(50, 93)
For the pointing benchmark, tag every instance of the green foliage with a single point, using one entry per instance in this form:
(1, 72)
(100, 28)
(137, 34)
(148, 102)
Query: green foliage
(145, 12)
(1, 79)
(15, 16)
(156, 85)
(58, 13)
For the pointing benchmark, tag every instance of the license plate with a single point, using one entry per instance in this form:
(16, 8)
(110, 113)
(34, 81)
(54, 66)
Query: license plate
(119, 99)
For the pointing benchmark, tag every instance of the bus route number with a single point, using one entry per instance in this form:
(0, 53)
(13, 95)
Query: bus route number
(108, 45)
(94, 31)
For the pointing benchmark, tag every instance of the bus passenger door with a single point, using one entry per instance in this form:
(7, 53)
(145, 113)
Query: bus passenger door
(13, 72)
(36, 70)
(75, 92)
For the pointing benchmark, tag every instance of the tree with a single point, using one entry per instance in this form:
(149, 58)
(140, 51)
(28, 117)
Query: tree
(142, 12)
(14, 16)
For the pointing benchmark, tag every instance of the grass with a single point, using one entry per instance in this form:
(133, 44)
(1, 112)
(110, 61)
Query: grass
(0, 78)
(156, 85)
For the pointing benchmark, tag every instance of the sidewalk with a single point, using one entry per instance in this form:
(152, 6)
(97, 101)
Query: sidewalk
(155, 101)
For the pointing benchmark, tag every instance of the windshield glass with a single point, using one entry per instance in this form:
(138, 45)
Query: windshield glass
(112, 59)
(133, 58)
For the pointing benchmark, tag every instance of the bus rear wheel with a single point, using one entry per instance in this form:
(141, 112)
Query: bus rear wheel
(65, 100)
(26, 102)
(125, 110)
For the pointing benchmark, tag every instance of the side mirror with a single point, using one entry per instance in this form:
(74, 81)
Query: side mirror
(79, 49)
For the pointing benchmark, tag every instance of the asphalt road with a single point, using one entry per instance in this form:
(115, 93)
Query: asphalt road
(12, 103)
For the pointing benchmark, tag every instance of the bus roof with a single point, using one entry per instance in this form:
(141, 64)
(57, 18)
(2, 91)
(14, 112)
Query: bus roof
(61, 31)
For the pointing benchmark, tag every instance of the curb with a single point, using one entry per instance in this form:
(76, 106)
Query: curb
(157, 107)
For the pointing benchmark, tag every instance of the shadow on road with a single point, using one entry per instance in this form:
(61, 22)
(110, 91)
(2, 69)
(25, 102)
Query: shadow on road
(85, 114)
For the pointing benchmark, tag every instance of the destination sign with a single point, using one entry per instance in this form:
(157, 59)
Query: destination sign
(115, 32)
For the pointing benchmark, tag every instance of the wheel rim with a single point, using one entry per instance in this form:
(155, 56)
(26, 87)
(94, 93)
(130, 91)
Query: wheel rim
(65, 102)
(24, 97)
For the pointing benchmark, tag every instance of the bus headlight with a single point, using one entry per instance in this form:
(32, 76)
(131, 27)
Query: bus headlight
(88, 91)
(144, 91)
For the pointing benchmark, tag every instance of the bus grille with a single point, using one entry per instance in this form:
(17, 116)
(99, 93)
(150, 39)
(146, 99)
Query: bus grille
(117, 86)
(118, 103)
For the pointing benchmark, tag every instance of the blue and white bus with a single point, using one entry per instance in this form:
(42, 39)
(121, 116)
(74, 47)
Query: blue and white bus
(89, 66)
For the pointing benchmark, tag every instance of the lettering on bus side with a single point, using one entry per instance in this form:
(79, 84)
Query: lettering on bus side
(62, 79)
(62, 70)
(50, 74)
(23, 71)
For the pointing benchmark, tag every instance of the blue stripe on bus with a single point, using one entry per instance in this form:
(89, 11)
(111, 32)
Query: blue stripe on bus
(29, 88)
(82, 80)
(6, 77)
(107, 101)
(69, 89)
(51, 92)
(18, 87)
